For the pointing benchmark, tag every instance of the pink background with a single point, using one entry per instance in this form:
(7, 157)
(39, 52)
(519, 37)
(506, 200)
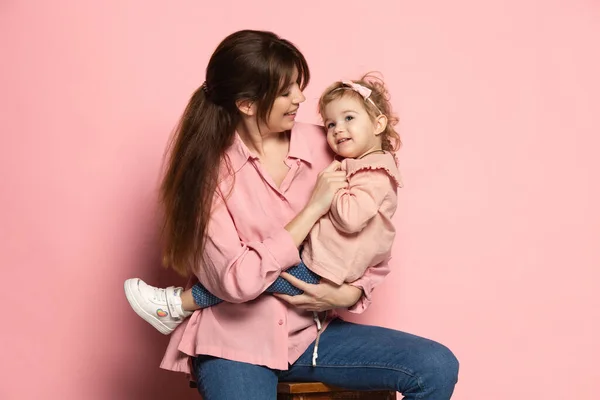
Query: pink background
(499, 240)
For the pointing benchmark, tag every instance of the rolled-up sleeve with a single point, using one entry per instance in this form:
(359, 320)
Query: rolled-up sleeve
(372, 277)
(238, 271)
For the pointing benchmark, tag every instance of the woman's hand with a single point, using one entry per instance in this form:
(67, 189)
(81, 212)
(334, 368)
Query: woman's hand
(330, 180)
(323, 296)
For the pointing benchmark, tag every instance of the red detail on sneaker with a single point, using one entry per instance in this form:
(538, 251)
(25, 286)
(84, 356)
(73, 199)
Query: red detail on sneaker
(161, 313)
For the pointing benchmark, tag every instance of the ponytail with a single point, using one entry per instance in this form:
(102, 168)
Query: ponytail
(204, 133)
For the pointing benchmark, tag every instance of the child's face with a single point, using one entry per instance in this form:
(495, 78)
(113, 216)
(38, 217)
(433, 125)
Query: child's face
(350, 131)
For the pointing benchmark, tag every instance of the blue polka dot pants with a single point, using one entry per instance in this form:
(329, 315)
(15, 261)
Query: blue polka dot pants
(203, 298)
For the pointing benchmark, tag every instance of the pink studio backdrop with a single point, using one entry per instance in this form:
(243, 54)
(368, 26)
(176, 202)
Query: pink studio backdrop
(498, 251)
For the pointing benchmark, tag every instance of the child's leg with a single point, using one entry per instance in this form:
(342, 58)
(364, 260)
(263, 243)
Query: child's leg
(299, 271)
(165, 309)
(187, 301)
(201, 297)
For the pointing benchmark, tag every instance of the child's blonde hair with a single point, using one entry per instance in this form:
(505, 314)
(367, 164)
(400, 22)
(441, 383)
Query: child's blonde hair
(390, 140)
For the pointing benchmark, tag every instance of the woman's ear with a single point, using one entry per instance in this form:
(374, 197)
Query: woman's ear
(246, 107)
(380, 124)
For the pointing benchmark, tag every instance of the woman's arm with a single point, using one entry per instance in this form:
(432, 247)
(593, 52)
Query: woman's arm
(238, 271)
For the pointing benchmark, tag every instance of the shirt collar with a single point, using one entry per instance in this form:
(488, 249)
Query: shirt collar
(239, 154)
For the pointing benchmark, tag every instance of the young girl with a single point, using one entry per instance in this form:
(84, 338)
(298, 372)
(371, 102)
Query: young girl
(356, 233)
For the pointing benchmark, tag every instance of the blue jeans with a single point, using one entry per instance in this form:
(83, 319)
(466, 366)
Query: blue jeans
(352, 356)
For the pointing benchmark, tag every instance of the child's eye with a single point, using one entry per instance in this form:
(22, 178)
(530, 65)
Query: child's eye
(330, 125)
(349, 118)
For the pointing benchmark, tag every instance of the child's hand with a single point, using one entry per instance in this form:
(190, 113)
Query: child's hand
(330, 180)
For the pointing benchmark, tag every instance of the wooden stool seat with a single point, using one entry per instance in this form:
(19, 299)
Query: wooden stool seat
(320, 391)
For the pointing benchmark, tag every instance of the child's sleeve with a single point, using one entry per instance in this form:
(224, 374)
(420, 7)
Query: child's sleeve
(353, 207)
(372, 277)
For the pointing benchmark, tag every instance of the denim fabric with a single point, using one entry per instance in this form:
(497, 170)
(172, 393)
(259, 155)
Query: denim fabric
(352, 356)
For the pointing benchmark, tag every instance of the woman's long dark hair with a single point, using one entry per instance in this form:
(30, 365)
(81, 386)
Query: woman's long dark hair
(247, 65)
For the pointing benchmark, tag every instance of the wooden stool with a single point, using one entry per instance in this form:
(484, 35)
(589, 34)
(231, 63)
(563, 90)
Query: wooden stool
(320, 391)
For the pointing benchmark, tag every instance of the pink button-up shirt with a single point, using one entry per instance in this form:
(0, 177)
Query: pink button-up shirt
(246, 250)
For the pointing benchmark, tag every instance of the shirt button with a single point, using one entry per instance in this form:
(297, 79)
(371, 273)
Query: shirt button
(280, 322)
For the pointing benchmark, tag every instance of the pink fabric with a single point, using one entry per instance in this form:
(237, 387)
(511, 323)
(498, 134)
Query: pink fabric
(247, 249)
(364, 91)
(358, 231)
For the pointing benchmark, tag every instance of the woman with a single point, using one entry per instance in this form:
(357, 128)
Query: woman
(245, 184)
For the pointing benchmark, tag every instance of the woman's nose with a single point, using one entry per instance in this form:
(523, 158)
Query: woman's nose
(298, 95)
(300, 98)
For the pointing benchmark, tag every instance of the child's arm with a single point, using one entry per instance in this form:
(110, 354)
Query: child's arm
(372, 277)
(353, 207)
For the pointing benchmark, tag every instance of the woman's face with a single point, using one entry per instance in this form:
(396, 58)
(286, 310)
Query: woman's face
(282, 115)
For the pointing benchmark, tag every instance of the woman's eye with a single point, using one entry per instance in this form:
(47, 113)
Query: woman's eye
(285, 94)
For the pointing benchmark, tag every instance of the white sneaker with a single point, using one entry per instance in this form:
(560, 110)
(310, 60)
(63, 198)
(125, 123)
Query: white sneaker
(161, 308)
